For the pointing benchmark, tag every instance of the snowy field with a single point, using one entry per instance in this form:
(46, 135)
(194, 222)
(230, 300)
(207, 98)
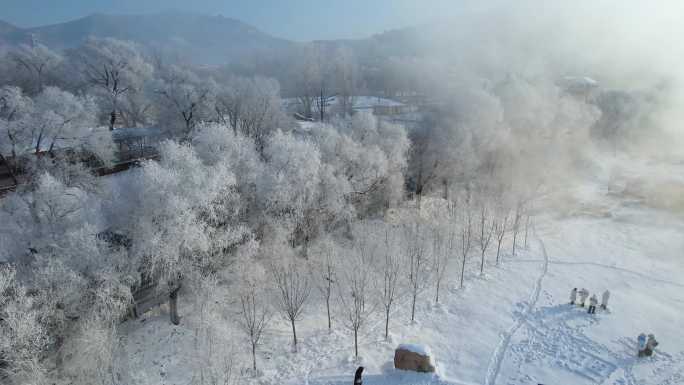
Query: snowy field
(513, 326)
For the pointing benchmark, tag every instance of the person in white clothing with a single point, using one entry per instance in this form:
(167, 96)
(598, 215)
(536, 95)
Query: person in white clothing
(593, 301)
(584, 294)
(604, 300)
(573, 296)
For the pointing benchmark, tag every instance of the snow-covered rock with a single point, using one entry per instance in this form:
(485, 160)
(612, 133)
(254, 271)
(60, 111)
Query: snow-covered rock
(413, 357)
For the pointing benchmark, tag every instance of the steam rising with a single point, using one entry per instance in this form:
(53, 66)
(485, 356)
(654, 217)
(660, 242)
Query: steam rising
(629, 46)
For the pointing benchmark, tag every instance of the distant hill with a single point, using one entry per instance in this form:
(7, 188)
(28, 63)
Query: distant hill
(6, 28)
(7, 32)
(200, 38)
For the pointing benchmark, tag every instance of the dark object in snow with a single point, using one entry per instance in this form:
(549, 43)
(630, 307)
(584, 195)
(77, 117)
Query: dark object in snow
(173, 306)
(413, 357)
(650, 345)
(357, 376)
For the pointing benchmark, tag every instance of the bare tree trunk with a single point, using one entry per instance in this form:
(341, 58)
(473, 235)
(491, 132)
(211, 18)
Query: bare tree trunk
(173, 306)
(498, 251)
(516, 225)
(294, 335)
(462, 271)
(112, 120)
(387, 315)
(515, 238)
(356, 343)
(482, 260)
(254, 357)
(327, 305)
(413, 306)
(419, 195)
(527, 227)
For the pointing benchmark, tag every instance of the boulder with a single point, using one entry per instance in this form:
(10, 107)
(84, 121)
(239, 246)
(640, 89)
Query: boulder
(413, 357)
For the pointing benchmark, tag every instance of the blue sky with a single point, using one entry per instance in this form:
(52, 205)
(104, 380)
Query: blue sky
(292, 19)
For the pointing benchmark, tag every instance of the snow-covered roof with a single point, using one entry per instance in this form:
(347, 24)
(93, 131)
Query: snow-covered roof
(423, 350)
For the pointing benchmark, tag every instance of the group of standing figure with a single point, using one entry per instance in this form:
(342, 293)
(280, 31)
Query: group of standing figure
(646, 346)
(593, 301)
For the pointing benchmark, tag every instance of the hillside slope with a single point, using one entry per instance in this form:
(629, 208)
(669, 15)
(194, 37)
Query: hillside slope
(203, 39)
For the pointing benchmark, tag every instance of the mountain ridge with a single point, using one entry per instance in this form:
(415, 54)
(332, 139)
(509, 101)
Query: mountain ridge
(210, 39)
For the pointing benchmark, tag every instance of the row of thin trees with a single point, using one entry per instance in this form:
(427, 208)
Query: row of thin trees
(382, 268)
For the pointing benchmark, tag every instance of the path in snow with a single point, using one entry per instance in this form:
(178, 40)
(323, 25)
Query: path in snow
(500, 350)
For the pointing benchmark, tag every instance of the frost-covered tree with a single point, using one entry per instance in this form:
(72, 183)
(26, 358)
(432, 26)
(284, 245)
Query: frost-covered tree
(34, 66)
(59, 115)
(251, 106)
(54, 117)
(289, 188)
(23, 335)
(184, 100)
(113, 69)
(416, 258)
(389, 270)
(452, 144)
(325, 270)
(393, 144)
(254, 317)
(212, 358)
(51, 120)
(218, 143)
(501, 228)
(425, 159)
(485, 230)
(368, 159)
(443, 249)
(293, 286)
(465, 222)
(354, 294)
(54, 232)
(346, 79)
(14, 111)
(93, 354)
(137, 109)
(517, 217)
(182, 215)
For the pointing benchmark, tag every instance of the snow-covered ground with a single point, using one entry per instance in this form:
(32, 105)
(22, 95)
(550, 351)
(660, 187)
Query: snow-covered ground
(513, 326)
